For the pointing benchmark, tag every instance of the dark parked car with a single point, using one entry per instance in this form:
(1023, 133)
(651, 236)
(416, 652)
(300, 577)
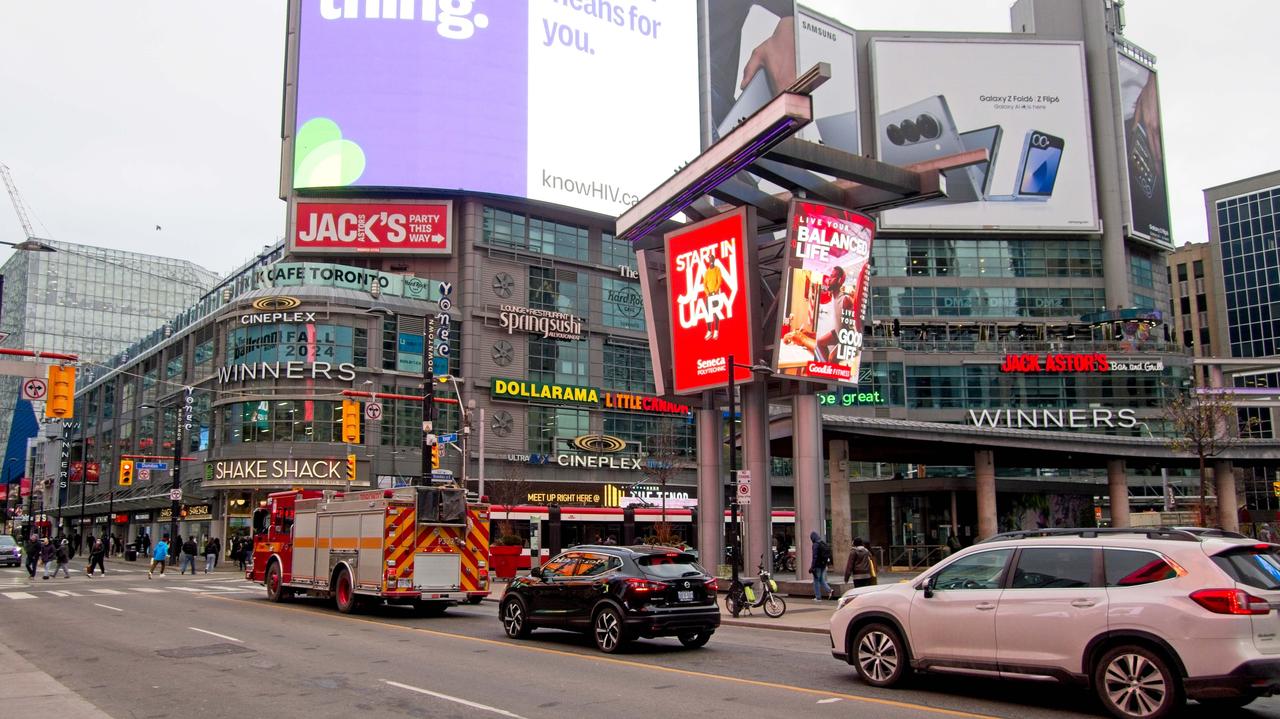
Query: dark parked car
(10, 553)
(616, 594)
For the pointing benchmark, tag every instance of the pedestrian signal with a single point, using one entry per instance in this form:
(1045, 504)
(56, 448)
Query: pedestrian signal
(126, 472)
(62, 390)
(350, 421)
(351, 468)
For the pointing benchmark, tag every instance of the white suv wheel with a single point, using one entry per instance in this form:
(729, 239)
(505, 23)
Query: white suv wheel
(1135, 683)
(879, 656)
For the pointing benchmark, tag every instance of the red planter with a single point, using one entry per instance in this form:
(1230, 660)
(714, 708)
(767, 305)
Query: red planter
(504, 560)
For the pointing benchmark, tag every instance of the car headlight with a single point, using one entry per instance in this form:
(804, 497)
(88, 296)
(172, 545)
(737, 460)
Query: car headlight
(845, 599)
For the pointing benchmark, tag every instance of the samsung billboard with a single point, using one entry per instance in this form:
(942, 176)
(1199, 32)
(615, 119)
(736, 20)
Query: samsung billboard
(1024, 102)
(1144, 151)
(583, 104)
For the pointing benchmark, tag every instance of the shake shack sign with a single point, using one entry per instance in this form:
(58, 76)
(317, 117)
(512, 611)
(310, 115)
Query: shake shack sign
(276, 471)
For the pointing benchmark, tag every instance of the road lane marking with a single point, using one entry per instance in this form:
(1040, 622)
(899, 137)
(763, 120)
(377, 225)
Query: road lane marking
(446, 697)
(596, 658)
(61, 593)
(214, 634)
(149, 590)
(188, 589)
(830, 700)
(20, 595)
(114, 609)
(105, 591)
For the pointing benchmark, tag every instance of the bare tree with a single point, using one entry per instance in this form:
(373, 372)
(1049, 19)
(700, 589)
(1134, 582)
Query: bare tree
(1203, 424)
(661, 466)
(508, 492)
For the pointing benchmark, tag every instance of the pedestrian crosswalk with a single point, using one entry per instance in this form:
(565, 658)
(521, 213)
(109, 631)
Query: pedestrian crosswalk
(232, 587)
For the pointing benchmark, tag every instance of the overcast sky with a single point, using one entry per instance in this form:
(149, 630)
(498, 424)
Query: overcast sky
(118, 117)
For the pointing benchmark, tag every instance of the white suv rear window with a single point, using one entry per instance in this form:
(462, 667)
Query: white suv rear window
(1132, 567)
(1256, 568)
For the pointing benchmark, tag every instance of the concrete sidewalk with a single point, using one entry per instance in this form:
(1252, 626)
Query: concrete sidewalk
(27, 691)
(225, 566)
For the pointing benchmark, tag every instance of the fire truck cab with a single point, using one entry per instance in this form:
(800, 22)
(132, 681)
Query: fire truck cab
(423, 546)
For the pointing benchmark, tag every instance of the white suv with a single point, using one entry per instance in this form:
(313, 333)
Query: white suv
(1148, 618)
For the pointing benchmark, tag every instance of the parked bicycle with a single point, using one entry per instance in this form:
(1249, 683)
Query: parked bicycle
(742, 595)
(783, 561)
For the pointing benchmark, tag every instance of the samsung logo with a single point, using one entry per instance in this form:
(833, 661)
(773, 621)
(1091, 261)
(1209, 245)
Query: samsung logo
(819, 31)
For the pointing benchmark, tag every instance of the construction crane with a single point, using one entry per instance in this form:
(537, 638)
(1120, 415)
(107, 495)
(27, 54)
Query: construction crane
(32, 242)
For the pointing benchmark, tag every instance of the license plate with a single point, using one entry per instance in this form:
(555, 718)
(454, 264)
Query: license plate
(684, 596)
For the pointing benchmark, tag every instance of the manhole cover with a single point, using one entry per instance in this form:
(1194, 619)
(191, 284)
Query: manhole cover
(208, 650)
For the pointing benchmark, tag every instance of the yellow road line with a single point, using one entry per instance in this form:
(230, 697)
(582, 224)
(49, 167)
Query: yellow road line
(624, 662)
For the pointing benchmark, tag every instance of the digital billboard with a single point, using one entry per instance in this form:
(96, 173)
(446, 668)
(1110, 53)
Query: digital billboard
(1144, 151)
(709, 293)
(542, 100)
(1025, 103)
(384, 228)
(824, 293)
(756, 49)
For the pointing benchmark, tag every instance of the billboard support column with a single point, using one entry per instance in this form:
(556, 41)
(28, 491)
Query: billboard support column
(755, 443)
(984, 473)
(841, 517)
(710, 483)
(807, 454)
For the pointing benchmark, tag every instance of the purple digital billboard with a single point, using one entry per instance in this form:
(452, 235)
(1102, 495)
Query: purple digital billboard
(536, 100)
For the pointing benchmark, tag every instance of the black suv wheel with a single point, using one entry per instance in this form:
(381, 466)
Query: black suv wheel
(607, 629)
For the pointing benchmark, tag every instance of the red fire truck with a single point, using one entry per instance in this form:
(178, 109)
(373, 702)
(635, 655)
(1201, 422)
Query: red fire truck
(422, 546)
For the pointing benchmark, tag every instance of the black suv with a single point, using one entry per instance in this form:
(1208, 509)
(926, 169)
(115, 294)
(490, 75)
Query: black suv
(617, 594)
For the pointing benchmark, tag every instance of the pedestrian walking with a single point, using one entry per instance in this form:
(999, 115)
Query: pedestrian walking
(859, 565)
(76, 546)
(33, 555)
(210, 554)
(97, 550)
(821, 557)
(159, 555)
(177, 549)
(217, 551)
(61, 556)
(146, 543)
(240, 553)
(189, 550)
(47, 552)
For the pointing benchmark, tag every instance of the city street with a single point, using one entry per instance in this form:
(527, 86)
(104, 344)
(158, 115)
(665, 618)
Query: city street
(212, 646)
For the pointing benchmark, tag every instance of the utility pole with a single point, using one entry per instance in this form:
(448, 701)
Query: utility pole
(428, 398)
(182, 418)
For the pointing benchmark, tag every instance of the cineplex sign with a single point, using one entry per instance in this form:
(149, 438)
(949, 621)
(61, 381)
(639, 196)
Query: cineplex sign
(520, 390)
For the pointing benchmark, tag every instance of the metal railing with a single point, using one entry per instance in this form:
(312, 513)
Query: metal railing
(916, 556)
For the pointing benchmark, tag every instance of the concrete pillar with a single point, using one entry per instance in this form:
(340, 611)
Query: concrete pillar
(755, 449)
(806, 442)
(1118, 491)
(710, 485)
(1224, 476)
(984, 472)
(841, 516)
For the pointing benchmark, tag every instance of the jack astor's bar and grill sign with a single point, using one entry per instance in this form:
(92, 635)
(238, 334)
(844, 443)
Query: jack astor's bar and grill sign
(520, 390)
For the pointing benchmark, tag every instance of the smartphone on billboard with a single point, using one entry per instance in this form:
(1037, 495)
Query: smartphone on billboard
(756, 95)
(1037, 168)
(923, 131)
(1141, 164)
(986, 138)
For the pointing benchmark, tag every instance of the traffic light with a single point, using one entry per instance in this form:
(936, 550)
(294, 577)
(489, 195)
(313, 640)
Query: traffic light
(435, 456)
(126, 472)
(350, 421)
(351, 468)
(61, 393)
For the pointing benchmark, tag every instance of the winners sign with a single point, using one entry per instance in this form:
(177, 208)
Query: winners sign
(824, 293)
(709, 294)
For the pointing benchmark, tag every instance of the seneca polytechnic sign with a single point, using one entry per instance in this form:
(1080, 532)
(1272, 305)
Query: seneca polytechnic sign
(385, 228)
(824, 293)
(709, 295)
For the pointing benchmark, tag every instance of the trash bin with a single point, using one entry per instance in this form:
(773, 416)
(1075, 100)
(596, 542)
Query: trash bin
(130, 555)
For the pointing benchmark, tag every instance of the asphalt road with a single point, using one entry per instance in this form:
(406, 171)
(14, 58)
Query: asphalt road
(212, 646)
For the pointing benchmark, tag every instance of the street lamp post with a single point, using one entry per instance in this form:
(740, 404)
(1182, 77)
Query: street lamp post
(733, 459)
(182, 425)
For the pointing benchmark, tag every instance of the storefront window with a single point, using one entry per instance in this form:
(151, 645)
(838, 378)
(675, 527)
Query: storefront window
(558, 361)
(549, 425)
(109, 399)
(557, 290)
(652, 436)
(401, 424)
(623, 307)
(281, 421)
(615, 252)
(291, 343)
(174, 361)
(627, 368)
(204, 348)
(508, 229)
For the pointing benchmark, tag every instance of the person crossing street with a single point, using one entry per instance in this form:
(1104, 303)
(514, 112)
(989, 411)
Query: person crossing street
(159, 553)
(189, 550)
(97, 551)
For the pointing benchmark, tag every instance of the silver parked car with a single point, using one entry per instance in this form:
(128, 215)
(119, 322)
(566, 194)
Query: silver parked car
(1146, 618)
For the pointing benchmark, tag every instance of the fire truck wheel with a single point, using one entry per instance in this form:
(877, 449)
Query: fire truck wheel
(430, 609)
(275, 590)
(344, 592)
(475, 600)
(514, 619)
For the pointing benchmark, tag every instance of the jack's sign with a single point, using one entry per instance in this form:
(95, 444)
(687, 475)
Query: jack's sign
(385, 228)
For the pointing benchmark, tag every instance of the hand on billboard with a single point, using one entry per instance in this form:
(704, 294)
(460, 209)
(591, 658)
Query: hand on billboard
(1147, 114)
(777, 55)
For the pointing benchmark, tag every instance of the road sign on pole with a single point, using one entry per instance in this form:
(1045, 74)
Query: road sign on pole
(373, 411)
(151, 465)
(744, 476)
(34, 389)
(744, 493)
(175, 495)
(144, 474)
(447, 438)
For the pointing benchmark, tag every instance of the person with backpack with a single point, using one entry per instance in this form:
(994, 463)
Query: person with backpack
(210, 554)
(159, 554)
(97, 551)
(61, 555)
(859, 565)
(33, 555)
(821, 557)
(189, 550)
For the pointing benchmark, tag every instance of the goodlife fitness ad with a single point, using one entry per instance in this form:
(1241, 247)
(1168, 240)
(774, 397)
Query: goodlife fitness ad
(388, 228)
(824, 293)
(540, 99)
(709, 295)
